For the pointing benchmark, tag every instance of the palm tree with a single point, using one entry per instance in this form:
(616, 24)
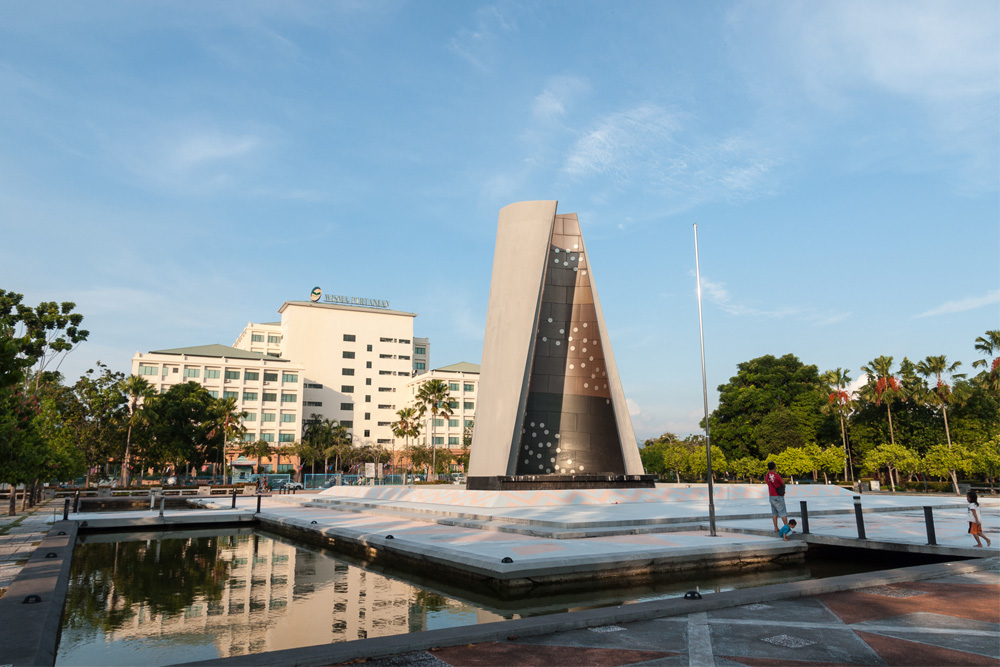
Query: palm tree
(938, 367)
(433, 395)
(138, 390)
(261, 449)
(882, 386)
(989, 345)
(229, 420)
(407, 427)
(839, 403)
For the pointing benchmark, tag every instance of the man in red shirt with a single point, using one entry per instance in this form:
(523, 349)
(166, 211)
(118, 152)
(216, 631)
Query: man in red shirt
(776, 494)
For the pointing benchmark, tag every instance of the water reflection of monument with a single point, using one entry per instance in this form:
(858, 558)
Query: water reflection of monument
(275, 596)
(552, 411)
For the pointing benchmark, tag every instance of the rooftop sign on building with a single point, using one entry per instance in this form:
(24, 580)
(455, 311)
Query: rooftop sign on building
(317, 294)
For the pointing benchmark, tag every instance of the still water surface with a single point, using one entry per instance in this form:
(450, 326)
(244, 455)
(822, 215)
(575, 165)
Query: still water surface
(163, 598)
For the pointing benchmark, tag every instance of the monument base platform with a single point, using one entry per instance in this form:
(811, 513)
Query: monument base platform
(559, 482)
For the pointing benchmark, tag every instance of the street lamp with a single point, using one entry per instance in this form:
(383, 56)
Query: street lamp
(704, 389)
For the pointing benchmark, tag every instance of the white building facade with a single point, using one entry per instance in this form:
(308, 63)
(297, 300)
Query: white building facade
(462, 380)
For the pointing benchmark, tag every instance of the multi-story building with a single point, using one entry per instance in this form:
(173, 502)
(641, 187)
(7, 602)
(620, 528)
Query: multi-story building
(264, 338)
(462, 380)
(267, 388)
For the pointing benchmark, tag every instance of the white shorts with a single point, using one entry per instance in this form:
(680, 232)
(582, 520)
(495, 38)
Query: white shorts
(778, 506)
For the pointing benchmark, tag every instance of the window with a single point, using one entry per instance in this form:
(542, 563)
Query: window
(453, 422)
(270, 377)
(453, 440)
(256, 338)
(192, 372)
(232, 375)
(230, 394)
(419, 350)
(273, 339)
(287, 418)
(469, 405)
(267, 437)
(249, 436)
(313, 404)
(368, 382)
(368, 364)
(369, 348)
(347, 406)
(384, 441)
(387, 389)
(452, 386)
(419, 365)
(385, 356)
(348, 355)
(251, 376)
(148, 370)
(172, 370)
(453, 405)
(214, 393)
(368, 398)
(286, 437)
(469, 387)
(211, 373)
(288, 398)
(439, 422)
(385, 423)
(387, 340)
(349, 338)
(270, 397)
(249, 396)
(347, 423)
(404, 356)
(268, 417)
(347, 371)
(404, 341)
(385, 372)
(368, 416)
(386, 406)
(438, 440)
(251, 417)
(289, 377)
(347, 388)
(312, 385)
(469, 423)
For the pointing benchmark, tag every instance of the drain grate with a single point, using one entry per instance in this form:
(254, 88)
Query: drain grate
(607, 628)
(788, 641)
(888, 592)
(757, 606)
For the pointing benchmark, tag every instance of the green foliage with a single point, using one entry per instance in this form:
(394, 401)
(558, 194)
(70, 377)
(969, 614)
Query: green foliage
(184, 426)
(698, 461)
(40, 334)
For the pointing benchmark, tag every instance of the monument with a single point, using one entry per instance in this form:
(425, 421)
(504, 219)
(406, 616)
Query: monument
(551, 411)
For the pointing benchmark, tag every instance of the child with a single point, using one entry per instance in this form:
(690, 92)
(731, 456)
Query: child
(976, 519)
(786, 530)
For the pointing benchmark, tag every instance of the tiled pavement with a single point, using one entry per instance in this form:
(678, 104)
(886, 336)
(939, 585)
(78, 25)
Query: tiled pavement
(20, 534)
(953, 620)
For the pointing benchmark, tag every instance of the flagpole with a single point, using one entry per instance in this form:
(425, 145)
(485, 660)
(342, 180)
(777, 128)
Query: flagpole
(704, 388)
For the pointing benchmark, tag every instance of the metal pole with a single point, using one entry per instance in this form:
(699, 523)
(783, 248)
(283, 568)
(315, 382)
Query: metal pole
(66, 510)
(860, 518)
(704, 387)
(929, 520)
(163, 500)
(258, 503)
(805, 517)
(234, 498)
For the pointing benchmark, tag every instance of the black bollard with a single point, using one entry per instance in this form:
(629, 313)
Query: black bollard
(76, 502)
(234, 498)
(805, 517)
(929, 520)
(258, 503)
(860, 518)
(66, 510)
(163, 500)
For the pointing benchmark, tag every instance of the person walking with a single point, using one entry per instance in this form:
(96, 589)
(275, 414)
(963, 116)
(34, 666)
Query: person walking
(976, 519)
(776, 495)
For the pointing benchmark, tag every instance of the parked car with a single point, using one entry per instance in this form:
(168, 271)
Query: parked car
(458, 479)
(290, 486)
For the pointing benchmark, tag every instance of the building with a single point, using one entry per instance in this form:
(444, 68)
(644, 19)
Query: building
(267, 388)
(264, 338)
(463, 387)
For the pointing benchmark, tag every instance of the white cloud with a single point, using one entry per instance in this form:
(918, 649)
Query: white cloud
(633, 408)
(962, 305)
(478, 45)
(559, 93)
(718, 294)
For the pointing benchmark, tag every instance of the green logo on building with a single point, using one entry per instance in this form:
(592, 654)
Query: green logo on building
(316, 294)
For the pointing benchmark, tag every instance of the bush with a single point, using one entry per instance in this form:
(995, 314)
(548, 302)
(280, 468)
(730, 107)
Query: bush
(932, 487)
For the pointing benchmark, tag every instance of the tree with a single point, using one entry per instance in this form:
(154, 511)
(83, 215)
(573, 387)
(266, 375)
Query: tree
(652, 453)
(945, 461)
(895, 458)
(406, 427)
(227, 420)
(185, 429)
(259, 449)
(761, 387)
(139, 391)
(830, 460)
(97, 416)
(677, 458)
(989, 344)
(882, 386)
(698, 461)
(434, 396)
(940, 394)
(308, 455)
(985, 459)
(839, 403)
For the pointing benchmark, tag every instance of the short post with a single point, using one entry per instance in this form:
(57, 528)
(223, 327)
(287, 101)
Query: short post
(234, 497)
(294, 490)
(163, 500)
(66, 510)
(860, 518)
(152, 501)
(929, 520)
(258, 503)
(76, 502)
(805, 517)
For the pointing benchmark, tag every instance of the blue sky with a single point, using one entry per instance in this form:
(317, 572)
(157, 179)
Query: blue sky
(179, 169)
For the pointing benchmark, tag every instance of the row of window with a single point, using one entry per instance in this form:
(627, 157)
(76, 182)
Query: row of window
(269, 417)
(453, 386)
(453, 423)
(269, 437)
(452, 440)
(213, 373)
(269, 397)
(259, 338)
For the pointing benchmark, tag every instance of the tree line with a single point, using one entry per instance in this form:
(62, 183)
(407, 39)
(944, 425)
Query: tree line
(917, 419)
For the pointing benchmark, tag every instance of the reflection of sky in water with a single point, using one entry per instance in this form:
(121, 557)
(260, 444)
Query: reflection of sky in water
(451, 618)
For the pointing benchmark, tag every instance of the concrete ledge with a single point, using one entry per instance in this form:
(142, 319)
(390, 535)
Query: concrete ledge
(381, 647)
(96, 522)
(31, 628)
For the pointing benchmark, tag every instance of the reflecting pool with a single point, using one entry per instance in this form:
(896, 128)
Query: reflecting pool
(170, 597)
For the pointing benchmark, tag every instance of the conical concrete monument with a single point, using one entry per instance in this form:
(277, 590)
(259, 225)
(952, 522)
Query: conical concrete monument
(551, 412)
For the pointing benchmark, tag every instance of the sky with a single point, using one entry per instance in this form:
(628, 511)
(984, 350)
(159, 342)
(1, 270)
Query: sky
(180, 169)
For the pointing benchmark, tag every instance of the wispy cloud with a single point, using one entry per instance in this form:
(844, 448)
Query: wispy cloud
(962, 305)
(559, 94)
(718, 294)
(651, 148)
(478, 45)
